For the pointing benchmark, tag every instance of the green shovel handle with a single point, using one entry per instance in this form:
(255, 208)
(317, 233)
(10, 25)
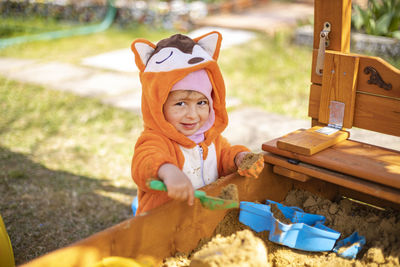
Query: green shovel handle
(160, 186)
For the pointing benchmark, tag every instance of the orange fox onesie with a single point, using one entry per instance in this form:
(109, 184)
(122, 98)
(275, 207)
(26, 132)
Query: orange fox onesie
(161, 66)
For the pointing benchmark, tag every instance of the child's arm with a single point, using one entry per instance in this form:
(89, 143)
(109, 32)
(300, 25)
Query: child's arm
(239, 158)
(151, 152)
(228, 153)
(178, 184)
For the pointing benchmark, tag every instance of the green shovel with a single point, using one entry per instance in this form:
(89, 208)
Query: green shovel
(211, 203)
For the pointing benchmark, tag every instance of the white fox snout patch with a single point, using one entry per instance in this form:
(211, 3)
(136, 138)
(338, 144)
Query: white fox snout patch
(171, 54)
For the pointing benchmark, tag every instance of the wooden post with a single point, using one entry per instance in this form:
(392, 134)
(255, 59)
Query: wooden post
(338, 14)
(339, 84)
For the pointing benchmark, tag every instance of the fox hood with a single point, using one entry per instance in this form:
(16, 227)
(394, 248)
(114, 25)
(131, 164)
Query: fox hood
(161, 66)
(164, 64)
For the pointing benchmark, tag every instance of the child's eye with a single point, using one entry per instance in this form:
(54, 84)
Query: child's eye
(181, 103)
(202, 102)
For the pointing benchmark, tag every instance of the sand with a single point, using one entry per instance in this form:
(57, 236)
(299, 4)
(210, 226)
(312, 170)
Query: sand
(230, 244)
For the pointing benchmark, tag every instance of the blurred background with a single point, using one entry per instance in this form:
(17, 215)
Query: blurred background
(70, 96)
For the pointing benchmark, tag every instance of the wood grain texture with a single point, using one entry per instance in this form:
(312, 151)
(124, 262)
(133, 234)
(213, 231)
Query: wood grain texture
(338, 14)
(338, 84)
(310, 142)
(170, 228)
(389, 74)
(354, 183)
(291, 174)
(314, 100)
(367, 162)
(371, 112)
(377, 114)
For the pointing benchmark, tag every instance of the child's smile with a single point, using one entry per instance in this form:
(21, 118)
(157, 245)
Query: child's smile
(186, 110)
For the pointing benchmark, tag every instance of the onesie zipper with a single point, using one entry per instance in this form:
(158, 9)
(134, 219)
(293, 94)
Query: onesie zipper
(201, 164)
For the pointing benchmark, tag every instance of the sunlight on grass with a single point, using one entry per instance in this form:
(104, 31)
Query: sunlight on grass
(18, 26)
(270, 73)
(66, 132)
(57, 152)
(73, 49)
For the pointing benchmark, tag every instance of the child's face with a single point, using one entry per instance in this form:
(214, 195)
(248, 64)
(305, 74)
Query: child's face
(186, 110)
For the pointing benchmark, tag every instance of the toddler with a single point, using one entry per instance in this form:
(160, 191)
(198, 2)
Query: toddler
(184, 114)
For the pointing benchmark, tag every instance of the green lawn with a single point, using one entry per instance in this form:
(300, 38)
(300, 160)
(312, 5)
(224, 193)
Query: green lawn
(64, 167)
(19, 26)
(65, 159)
(269, 73)
(73, 49)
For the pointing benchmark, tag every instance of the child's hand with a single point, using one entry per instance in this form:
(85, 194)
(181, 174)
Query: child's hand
(178, 184)
(249, 164)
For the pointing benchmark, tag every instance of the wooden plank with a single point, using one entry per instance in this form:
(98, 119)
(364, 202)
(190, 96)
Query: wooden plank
(338, 14)
(368, 162)
(354, 183)
(310, 141)
(389, 77)
(314, 99)
(379, 114)
(291, 174)
(338, 84)
(162, 232)
(384, 117)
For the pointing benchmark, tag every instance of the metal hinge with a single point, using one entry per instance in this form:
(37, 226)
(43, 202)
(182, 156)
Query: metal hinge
(336, 115)
(323, 44)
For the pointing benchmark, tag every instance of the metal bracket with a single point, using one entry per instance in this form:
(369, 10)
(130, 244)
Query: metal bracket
(323, 44)
(336, 115)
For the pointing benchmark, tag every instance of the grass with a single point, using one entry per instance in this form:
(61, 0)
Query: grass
(18, 26)
(73, 49)
(269, 73)
(64, 168)
(65, 160)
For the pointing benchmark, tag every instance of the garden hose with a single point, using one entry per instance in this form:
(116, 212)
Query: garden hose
(105, 24)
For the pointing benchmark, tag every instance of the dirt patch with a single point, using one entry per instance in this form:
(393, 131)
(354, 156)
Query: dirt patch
(381, 228)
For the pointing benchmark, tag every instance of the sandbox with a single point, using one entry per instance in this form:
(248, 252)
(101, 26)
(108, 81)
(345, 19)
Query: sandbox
(380, 227)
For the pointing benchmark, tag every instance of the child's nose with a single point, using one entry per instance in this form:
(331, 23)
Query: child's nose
(192, 112)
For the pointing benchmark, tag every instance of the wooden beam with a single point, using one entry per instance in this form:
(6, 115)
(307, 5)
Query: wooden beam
(346, 181)
(368, 162)
(338, 14)
(339, 84)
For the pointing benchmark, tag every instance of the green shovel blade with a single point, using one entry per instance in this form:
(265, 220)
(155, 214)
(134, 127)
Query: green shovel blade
(212, 203)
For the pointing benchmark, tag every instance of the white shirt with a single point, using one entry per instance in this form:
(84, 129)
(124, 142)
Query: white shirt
(200, 172)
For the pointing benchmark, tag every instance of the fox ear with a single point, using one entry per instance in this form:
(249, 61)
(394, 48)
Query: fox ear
(142, 50)
(211, 43)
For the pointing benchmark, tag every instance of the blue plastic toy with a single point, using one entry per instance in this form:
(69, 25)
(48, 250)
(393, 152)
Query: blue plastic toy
(353, 244)
(307, 231)
(135, 204)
